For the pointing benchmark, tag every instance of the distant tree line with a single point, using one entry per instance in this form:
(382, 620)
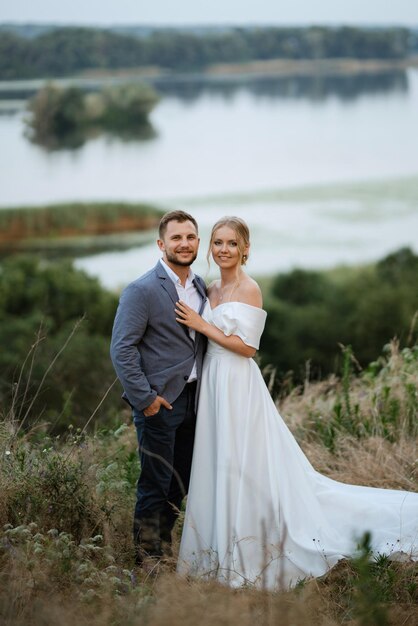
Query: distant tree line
(68, 50)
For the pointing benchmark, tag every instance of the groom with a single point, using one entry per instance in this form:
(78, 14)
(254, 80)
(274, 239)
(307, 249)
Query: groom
(159, 363)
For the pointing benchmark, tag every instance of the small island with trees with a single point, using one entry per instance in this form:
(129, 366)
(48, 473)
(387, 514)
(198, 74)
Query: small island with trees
(66, 117)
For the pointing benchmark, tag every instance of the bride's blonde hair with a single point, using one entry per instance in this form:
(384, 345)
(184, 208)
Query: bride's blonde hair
(241, 231)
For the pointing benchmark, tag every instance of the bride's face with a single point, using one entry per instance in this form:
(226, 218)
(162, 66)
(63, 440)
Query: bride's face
(225, 250)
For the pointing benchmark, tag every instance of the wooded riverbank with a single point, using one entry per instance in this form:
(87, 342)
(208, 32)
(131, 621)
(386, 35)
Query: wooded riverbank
(65, 50)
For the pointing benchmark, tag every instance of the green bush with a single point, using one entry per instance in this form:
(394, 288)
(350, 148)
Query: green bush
(45, 307)
(55, 327)
(394, 401)
(310, 315)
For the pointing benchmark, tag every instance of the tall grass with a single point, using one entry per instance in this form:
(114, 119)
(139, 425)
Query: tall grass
(66, 503)
(362, 429)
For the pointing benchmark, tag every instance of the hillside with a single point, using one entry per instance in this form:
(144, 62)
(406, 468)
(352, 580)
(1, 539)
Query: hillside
(66, 503)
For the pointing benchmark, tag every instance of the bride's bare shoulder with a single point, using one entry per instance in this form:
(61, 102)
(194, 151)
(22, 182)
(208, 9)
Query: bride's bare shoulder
(249, 292)
(213, 288)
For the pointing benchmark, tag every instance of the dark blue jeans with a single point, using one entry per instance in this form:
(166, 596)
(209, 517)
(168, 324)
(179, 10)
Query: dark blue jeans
(165, 451)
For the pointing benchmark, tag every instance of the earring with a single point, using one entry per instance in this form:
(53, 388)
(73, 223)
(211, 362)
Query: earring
(244, 258)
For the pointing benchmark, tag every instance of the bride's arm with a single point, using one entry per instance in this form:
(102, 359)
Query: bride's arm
(189, 317)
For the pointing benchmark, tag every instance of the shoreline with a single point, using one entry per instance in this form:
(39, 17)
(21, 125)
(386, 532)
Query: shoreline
(311, 67)
(98, 78)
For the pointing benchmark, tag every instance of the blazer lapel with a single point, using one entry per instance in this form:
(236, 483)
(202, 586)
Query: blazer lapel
(202, 293)
(166, 283)
(168, 286)
(203, 297)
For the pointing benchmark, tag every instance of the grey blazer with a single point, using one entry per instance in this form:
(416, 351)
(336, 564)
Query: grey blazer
(151, 352)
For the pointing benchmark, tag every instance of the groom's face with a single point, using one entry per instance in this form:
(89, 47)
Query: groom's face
(180, 243)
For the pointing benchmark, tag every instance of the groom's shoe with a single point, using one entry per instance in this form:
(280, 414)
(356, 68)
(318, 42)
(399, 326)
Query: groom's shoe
(147, 540)
(167, 549)
(167, 521)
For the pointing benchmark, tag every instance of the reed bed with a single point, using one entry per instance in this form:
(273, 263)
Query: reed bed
(65, 220)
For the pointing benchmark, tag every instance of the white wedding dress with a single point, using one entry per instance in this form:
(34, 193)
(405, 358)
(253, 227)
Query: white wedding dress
(257, 511)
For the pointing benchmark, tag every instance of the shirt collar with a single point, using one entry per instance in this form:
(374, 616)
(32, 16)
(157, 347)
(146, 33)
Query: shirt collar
(173, 275)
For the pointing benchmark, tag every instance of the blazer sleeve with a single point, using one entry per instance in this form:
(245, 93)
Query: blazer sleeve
(129, 327)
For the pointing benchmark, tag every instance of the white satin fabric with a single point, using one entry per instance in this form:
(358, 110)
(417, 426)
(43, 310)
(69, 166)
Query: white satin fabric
(257, 511)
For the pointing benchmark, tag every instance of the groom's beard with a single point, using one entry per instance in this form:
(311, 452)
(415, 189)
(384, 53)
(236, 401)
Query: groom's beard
(176, 260)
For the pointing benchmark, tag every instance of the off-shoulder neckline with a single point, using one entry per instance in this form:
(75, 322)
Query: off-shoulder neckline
(251, 306)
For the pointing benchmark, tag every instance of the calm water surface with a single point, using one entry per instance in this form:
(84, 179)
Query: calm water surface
(288, 155)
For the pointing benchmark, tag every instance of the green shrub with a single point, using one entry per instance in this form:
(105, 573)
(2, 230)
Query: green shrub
(394, 402)
(55, 326)
(310, 315)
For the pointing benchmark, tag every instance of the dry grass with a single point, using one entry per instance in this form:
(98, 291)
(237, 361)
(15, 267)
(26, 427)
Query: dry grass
(373, 462)
(173, 603)
(36, 598)
(369, 423)
(65, 504)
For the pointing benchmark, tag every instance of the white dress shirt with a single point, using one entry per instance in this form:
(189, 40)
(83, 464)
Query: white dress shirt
(190, 296)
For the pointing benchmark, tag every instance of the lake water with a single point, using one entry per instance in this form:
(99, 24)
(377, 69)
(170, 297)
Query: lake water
(324, 169)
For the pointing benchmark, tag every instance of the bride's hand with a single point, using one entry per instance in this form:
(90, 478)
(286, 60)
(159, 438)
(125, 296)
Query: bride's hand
(187, 316)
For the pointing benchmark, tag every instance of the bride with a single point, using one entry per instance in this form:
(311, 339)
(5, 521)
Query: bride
(257, 511)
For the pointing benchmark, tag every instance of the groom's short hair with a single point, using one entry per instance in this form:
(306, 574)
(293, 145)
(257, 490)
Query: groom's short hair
(175, 216)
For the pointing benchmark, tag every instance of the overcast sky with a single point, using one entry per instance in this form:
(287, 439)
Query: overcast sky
(133, 12)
